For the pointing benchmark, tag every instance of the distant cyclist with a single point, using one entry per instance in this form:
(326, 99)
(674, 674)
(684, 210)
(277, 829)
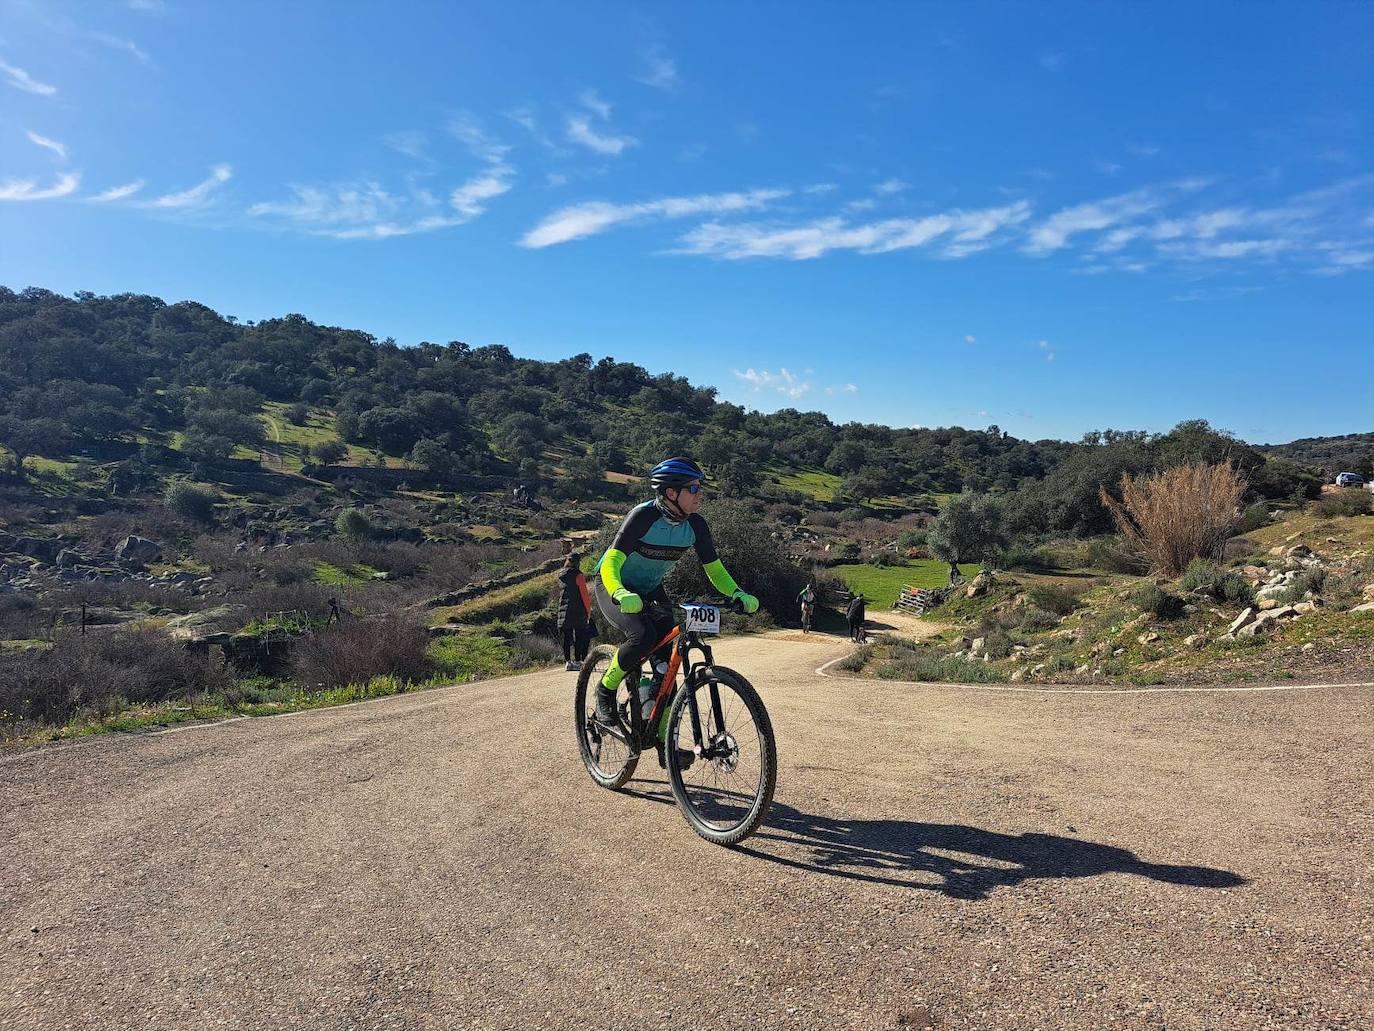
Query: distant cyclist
(807, 597)
(649, 542)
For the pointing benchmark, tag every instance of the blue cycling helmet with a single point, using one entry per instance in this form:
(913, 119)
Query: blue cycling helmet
(675, 472)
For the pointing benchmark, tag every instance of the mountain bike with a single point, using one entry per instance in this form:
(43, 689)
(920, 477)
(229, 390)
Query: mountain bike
(718, 746)
(806, 617)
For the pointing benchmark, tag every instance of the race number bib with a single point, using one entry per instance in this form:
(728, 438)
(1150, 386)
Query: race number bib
(704, 619)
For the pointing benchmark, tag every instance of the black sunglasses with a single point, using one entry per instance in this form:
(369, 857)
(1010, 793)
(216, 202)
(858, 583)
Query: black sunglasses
(692, 488)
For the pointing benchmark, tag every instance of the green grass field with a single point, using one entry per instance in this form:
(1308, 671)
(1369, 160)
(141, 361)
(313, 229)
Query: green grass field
(814, 483)
(881, 584)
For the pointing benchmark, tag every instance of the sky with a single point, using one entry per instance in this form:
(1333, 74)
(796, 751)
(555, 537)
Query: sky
(1052, 218)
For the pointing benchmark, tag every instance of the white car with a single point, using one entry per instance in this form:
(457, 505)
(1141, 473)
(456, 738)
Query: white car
(1349, 480)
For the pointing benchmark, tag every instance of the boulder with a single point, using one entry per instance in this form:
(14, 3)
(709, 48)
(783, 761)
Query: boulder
(979, 643)
(1302, 608)
(1149, 638)
(1195, 641)
(982, 583)
(1366, 607)
(1245, 619)
(138, 549)
(66, 558)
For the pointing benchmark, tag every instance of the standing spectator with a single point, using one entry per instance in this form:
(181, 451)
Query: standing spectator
(574, 611)
(855, 615)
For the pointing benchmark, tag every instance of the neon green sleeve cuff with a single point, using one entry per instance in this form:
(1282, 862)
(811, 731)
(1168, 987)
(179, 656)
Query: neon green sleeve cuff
(610, 571)
(720, 579)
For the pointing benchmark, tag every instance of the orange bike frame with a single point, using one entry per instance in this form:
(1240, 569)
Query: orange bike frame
(669, 675)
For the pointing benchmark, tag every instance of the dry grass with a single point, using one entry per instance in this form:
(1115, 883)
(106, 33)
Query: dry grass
(1178, 515)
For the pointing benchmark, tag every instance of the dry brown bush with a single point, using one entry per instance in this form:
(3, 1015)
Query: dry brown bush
(356, 650)
(93, 673)
(1180, 514)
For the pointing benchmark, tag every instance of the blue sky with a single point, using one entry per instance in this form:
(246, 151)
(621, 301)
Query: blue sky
(1054, 218)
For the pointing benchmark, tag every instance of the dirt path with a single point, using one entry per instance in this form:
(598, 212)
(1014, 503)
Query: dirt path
(935, 856)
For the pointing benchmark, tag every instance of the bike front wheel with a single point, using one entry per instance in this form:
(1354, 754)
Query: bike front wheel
(720, 721)
(607, 753)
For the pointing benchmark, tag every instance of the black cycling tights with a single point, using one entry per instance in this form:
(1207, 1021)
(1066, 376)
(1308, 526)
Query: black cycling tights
(641, 633)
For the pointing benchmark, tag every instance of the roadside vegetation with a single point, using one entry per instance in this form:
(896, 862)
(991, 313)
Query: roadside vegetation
(250, 518)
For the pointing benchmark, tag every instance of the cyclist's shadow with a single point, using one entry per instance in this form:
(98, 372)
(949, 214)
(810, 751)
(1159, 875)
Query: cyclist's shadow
(958, 861)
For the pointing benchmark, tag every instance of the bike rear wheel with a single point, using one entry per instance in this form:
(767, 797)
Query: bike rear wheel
(607, 753)
(726, 790)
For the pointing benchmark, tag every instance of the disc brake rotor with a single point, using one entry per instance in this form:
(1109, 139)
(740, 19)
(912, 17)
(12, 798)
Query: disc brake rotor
(725, 752)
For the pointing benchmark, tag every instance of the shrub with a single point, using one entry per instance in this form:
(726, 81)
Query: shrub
(535, 650)
(888, 558)
(328, 452)
(1026, 556)
(927, 666)
(1209, 578)
(857, 659)
(1201, 575)
(297, 414)
(98, 673)
(356, 650)
(1109, 554)
(1253, 517)
(1034, 619)
(912, 539)
(1348, 502)
(1180, 514)
(1055, 598)
(1157, 602)
(191, 502)
(353, 523)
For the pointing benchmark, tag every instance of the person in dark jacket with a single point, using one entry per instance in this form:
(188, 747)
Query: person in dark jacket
(574, 613)
(855, 615)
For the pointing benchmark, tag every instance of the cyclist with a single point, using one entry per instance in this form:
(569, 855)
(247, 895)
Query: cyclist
(808, 605)
(652, 538)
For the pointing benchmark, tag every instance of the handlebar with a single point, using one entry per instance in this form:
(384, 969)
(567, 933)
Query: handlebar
(734, 604)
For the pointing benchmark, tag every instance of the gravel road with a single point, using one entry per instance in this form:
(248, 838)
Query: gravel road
(936, 856)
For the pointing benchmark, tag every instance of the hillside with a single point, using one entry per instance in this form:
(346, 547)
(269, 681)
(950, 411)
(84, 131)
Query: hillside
(201, 517)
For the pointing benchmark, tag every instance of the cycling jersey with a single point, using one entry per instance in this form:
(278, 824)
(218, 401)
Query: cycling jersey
(648, 544)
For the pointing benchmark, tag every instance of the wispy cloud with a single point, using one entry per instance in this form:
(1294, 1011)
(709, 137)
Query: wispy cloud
(1050, 60)
(970, 339)
(152, 6)
(469, 198)
(411, 143)
(890, 186)
(660, 71)
(128, 46)
(368, 210)
(59, 149)
(960, 233)
(20, 79)
(363, 211)
(27, 189)
(468, 131)
(593, 103)
(1143, 150)
(1047, 349)
(198, 195)
(580, 131)
(588, 219)
(119, 192)
(1056, 231)
(782, 381)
